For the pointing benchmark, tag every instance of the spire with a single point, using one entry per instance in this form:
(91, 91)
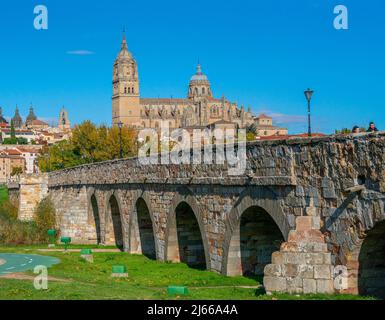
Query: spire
(17, 120)
(31, 116)
(199, 69)
(124, 40)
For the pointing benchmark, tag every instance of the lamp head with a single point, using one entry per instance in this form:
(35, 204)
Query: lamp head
(308, 94)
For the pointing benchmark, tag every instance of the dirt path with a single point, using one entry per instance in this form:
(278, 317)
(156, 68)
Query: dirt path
(78, 250)
(22, 276)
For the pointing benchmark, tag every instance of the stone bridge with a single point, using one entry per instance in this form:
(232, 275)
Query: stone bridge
(308, 214)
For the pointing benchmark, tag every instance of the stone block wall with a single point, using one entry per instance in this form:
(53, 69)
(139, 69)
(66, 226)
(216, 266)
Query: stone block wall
(33, 188)
(303, 265)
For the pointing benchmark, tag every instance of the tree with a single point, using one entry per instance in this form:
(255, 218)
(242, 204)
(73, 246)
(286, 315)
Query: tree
(344, 131)
(16, 171)
(89, 143)
(13, 133)
(250, 136)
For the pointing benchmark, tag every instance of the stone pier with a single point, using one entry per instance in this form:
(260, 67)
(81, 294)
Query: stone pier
(33, 188)
(303, 265)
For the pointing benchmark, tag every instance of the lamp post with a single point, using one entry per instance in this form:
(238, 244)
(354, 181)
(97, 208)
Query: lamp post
(308, 95)
(120, 125)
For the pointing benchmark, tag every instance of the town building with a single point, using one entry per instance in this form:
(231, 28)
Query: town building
(263, 127)
(20, 133)
(35, 130)
(10, 160)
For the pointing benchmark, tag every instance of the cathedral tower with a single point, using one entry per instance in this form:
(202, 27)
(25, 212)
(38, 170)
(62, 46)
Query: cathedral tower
(64, 122)
(125, 98)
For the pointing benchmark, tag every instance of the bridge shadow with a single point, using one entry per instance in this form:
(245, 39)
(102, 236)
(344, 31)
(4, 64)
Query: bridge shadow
(339, 211)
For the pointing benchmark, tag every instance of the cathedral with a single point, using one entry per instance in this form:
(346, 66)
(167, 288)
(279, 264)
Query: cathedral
(198, 109)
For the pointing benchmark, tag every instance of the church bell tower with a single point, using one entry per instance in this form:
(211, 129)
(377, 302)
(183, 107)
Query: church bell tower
(125, 98)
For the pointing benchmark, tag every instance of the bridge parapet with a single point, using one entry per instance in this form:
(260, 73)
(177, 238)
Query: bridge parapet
(332, 162)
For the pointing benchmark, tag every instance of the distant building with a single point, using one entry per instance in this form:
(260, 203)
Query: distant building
(3, 121)
(264, 127)
(30, 156)
(64, 122)
(37, 125)
(9, 160)
(27, 134)
(17, 120)
(198, 109)
(31, 116)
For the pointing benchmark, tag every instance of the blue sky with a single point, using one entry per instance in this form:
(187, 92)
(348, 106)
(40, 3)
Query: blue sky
(258, 53)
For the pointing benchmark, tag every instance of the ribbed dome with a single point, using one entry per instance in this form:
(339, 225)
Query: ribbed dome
(199, 76)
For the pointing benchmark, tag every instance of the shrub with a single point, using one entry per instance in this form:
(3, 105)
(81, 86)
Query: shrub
(45, 218)
(15, 232)
(8, 210)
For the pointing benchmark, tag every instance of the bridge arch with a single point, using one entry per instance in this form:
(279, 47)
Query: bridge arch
(143, 239)
(371, 263)
(114, 230)
(94, 216)
(356, 233)
(192, 247)
(256, 217)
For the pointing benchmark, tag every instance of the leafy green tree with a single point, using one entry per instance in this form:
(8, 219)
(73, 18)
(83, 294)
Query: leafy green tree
(13, 133)
(344, 131)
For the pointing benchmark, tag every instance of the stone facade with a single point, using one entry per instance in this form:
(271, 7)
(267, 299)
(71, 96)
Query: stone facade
(317, 199)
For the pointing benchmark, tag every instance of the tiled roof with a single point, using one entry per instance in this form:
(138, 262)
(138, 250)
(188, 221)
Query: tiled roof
(38, 122)
(263, 116)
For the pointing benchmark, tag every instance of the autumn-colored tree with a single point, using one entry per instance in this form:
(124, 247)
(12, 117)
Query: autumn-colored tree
(16, 171)
(89, 143)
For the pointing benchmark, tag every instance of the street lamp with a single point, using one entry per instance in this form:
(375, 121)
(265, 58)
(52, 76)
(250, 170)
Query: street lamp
(120, 125)
(308, 95)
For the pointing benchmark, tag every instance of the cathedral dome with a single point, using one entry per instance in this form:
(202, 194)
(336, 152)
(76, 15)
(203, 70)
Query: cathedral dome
(199, 76)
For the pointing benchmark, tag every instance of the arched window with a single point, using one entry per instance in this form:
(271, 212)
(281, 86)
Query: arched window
(203, 91)
(196, 91)
(125, 90)
(132, 90)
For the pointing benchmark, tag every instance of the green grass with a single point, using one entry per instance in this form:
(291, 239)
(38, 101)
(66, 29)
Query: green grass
(3, 194)
(147, 279)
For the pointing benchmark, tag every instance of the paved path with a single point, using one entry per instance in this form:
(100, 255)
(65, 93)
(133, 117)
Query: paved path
(78, 250)
(23, 262)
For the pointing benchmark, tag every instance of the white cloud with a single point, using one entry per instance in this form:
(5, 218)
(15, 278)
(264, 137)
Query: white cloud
(288, 118)
(80, 52)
